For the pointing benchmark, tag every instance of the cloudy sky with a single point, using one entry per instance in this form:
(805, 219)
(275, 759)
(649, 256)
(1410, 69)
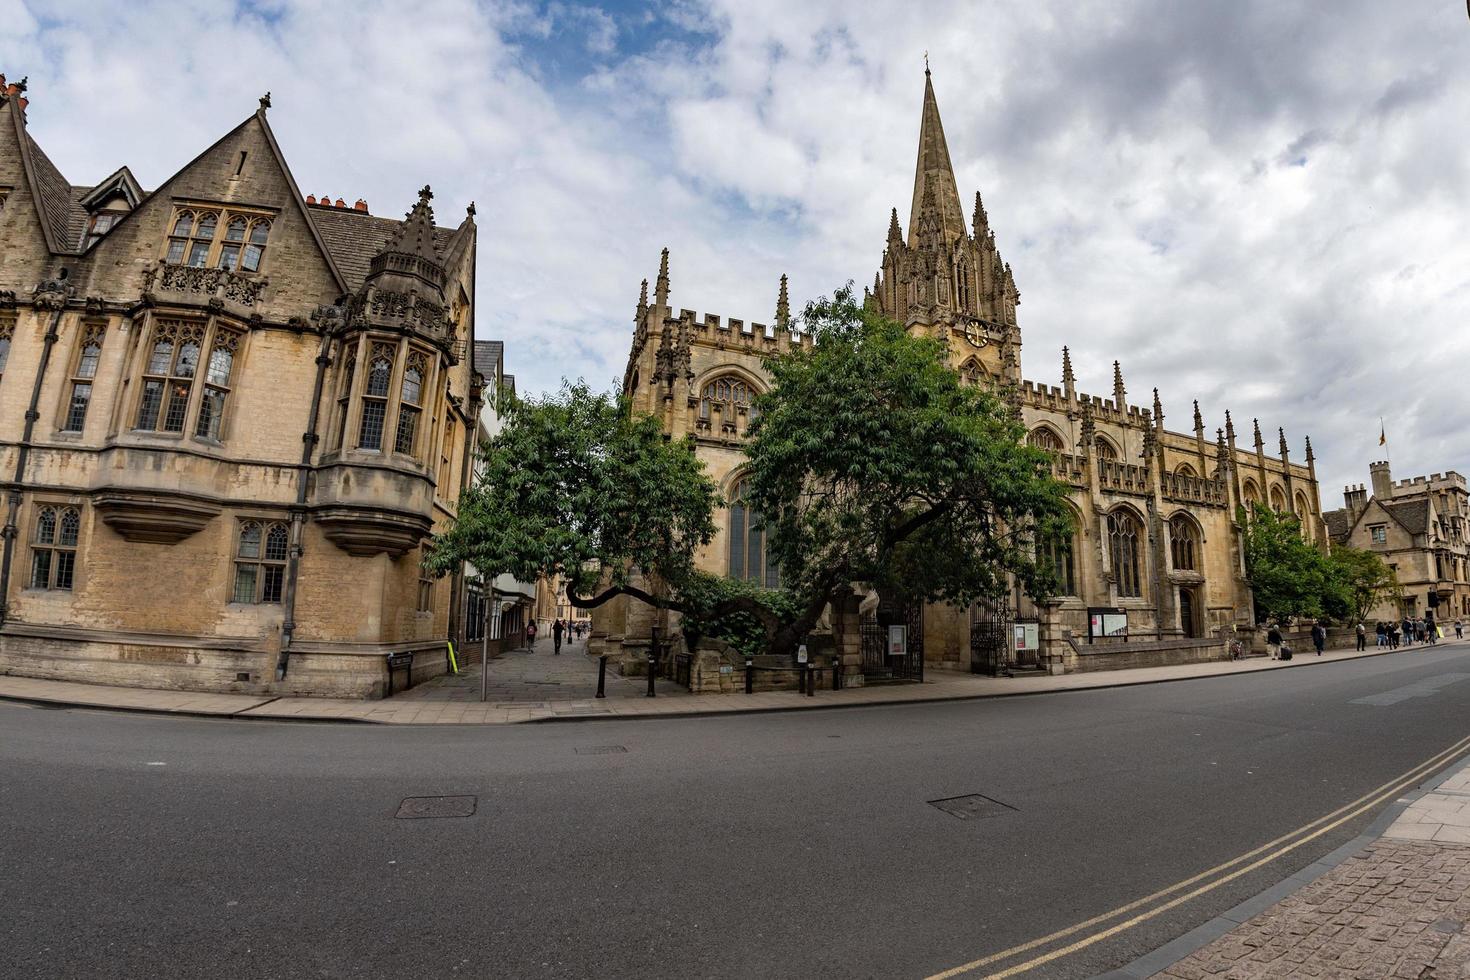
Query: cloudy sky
(1262, 205)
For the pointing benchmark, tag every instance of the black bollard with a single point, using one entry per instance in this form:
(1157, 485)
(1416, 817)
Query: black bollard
(652, 669)
(811, 680)
(800, 678)
(837, 673)
(749, 675)
(602, 676)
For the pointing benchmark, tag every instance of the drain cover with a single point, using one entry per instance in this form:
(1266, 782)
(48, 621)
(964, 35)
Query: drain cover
(419, 807)
(972, 807)
(600, 749)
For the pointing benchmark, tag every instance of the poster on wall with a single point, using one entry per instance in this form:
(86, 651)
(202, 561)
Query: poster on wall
(1026, 637)
(898, 641)
(1107, 622)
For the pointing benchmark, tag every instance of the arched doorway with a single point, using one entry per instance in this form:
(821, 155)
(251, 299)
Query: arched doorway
(1188, 619)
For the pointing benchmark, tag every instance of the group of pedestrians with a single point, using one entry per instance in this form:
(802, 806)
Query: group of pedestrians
(1409, 631)
(566, 630)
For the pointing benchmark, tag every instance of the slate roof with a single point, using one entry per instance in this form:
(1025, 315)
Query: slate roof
(59, 207)
(1339, 525)
(488, 353)
(354, 238)
(1412, 514)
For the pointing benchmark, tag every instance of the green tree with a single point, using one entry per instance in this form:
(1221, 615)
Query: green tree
(1288, 576)
(873, 463)
(578, 486)
(1362, 580)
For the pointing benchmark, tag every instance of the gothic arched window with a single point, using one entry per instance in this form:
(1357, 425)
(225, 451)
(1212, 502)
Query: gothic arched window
(748, 558)
(1251, 494)
(260, 562)
(972, 372)
(1184, 469)
(724, 393)
(1124, 545)
(1184, 543)
(375, 396)
(1278, 500)
(1055, 554)
(1105, 449)
(1045, 437)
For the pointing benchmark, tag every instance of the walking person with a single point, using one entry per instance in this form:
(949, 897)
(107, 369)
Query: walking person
(531, 635)
(1431, 629)
(1319, 636)
(557, 628)
(1362, 637)
(1393, 636)
(1459, 628)
(1273, 642)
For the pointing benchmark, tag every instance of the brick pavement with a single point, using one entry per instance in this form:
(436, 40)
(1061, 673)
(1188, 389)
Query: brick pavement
(1397, 909)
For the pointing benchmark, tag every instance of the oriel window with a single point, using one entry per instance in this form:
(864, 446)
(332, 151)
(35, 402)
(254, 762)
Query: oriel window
(217, 383)
(260, 562)
(375, 397)
(168, 376)
(54, 547)
(411, 403)
(244, 243)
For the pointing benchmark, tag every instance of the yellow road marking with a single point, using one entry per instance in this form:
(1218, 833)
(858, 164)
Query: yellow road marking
(1336, 817)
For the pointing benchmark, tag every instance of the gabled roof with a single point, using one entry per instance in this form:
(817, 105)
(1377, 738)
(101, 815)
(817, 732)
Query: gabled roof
(1339, 525)
(488, 353)
(1412, 514)
(59, 212)
(120, 181)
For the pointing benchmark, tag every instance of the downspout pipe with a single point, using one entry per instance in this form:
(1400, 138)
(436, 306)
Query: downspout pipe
(309, 441)
(52, 294)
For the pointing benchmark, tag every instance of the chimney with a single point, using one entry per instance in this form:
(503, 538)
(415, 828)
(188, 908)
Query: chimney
(1382, 480)
(340, 203)
(360, 205)
(311, 199)
(1356, 499)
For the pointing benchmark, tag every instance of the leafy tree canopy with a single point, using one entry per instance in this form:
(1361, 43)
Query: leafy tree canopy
(576, 485)
(1288, 576)
(1362, 580)
(872, 462)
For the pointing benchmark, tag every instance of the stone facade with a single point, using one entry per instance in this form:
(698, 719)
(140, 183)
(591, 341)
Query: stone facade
(229, 417)
(1418, 527)
(1155, 509)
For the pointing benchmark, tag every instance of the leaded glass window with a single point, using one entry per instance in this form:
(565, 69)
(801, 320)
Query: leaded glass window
(260, 562)
(54, 547)
(748, 558)
(375, 396)
(1124, 546)
(1184, 543)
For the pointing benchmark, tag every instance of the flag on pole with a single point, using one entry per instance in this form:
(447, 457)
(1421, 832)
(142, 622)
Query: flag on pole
(1382, 434)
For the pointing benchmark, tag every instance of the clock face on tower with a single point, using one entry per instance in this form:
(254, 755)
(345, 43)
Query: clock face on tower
(973, 334)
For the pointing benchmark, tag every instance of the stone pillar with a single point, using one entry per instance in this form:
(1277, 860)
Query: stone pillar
(847, 637)
(1054, 648)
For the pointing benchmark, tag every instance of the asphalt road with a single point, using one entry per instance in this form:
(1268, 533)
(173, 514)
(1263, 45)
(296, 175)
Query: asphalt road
(793, 845)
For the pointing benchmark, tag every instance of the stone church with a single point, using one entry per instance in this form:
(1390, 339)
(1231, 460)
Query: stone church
(230, 415)
(1155, 568)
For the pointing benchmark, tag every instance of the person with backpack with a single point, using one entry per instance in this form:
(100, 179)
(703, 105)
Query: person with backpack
(1273, 642)
(557, 629)
(1319, 636)
(1362, 637)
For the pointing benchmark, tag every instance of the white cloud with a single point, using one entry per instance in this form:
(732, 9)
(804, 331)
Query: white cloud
(1252, 204)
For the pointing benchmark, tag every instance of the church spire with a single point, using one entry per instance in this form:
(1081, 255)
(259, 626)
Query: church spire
(934, 170)
(895, 233)
(1068, 378)
(980, 221)
(1120, 393)
(642, 303)
(783, 307)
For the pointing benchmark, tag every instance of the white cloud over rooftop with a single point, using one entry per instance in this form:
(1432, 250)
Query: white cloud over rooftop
(1262, 205)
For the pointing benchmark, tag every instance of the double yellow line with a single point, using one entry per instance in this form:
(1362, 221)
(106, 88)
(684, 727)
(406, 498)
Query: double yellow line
(1206, 881)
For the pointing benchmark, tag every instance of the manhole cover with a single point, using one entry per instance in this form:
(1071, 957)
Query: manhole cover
(419, 807)
(600, 749)
(972, 807)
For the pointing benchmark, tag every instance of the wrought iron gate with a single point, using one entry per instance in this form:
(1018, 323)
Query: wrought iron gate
(990, 641)
(879, 662)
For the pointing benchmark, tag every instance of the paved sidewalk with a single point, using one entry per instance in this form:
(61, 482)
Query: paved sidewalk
(562, 692)
(1399, 908)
